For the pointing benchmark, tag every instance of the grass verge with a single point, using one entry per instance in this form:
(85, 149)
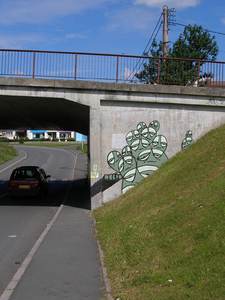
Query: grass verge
(7, 152)
(69, 145)
(164, 239)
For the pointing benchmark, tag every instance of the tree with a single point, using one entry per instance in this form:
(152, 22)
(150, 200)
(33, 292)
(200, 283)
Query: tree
(149, 73)
(194, 44)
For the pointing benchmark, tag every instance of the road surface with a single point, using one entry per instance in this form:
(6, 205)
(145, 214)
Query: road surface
(22, 221)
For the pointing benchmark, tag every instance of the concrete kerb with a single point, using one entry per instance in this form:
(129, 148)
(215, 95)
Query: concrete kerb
(104, 270)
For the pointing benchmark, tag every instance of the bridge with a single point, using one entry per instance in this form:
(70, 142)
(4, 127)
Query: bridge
(133, 128)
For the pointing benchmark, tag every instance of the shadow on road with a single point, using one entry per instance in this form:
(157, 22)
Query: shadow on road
(79, 194)
(72, 193)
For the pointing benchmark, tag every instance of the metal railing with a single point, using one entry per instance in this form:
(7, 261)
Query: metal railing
(110, 68)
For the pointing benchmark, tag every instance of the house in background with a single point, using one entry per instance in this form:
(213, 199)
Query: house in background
(8, 134)
(37, 134)
(50, 135)
(12, 134)
(42, 134)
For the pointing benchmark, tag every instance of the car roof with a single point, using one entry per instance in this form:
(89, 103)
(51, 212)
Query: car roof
(27, 167)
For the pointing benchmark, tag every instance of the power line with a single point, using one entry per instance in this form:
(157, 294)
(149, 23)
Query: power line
(211, 31)
(155, 32)
(148, 46)
(146, 53)
(159, 23)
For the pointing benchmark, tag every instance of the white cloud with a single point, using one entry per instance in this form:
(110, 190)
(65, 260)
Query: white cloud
(170, 3)
(133, 18)
(136, 17)
(34, 11)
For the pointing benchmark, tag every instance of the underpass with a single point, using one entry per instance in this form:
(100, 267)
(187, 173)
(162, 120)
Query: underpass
(109, 114)
(32, 112)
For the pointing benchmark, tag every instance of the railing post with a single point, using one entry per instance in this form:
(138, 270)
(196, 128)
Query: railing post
(33, 69)
(117, 68)
(75, 67)
(198, 69)
(158, 71)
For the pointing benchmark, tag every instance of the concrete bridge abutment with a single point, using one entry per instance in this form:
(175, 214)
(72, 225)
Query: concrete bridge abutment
(132, 129)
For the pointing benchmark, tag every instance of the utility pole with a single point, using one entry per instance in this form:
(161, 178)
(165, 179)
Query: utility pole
(165, 30)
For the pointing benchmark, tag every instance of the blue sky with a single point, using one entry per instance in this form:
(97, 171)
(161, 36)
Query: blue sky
(104, 26)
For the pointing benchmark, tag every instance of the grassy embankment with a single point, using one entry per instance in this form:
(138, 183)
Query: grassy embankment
(66, 145)
(165, 239)
(7, 152)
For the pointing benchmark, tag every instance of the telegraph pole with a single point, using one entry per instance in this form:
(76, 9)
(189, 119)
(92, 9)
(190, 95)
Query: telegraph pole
(165, 30)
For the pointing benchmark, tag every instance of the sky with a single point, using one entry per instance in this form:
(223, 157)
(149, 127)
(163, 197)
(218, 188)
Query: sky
(102, 26)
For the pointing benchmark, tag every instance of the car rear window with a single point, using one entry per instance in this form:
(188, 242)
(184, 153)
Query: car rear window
(24, 174)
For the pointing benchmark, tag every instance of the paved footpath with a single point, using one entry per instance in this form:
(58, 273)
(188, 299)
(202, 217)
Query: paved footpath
(67, 265)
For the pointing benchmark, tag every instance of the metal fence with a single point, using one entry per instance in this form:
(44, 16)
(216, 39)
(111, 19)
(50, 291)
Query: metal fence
(110, 68)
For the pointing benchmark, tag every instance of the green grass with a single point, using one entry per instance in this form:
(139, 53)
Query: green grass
(70, 145)
(7, 152)
(165, 239)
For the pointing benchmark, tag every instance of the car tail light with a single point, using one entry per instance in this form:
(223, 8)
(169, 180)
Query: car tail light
(34, 184)
(13, 184)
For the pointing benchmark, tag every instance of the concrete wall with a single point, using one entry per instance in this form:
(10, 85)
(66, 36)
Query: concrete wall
(116, 109)
(175, 121)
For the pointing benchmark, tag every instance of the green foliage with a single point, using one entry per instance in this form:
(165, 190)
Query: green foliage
(21, 141)
(7, 152)
(164, 239)
(4, 140)
(73, 145)
(83, 147)
(149, 73)
(194, 44)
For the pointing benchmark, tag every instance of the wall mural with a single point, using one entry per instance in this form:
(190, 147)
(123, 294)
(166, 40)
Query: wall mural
(187, 141)
(143, 154)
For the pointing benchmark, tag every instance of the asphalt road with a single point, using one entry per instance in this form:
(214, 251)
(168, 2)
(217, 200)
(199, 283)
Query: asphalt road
(23, 220)
(59, 163)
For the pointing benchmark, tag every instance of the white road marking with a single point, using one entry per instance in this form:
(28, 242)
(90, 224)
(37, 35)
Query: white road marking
(14, 163)
(12, 236)
(7, 293)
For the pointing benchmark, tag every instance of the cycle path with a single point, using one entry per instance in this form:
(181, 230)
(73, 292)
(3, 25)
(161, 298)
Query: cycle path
(67, 264)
